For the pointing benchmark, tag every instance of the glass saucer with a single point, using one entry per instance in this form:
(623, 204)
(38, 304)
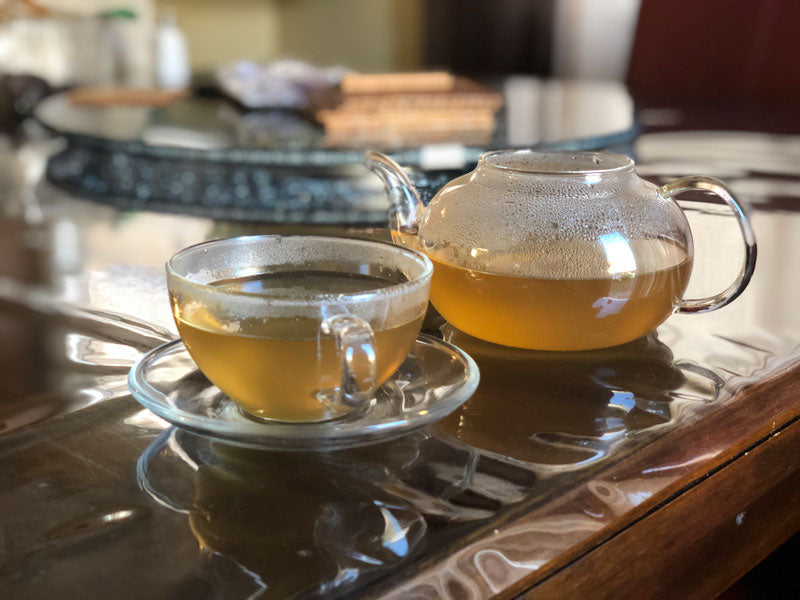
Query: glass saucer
(435, 379)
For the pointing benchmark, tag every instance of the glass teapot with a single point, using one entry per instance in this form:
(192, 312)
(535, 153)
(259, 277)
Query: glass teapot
(557, 251)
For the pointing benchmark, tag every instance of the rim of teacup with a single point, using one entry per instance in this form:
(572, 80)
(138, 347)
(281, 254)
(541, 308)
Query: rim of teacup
(615, 163)
(364, 295)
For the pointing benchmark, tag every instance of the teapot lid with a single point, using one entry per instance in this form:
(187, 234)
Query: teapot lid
(556, 163)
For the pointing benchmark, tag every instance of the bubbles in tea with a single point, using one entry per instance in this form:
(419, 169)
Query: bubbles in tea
(562, 294)
(276, 367)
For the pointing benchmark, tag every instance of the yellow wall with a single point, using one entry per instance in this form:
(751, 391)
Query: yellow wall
(220, 32)
(365, 35)
(356, 33)
(408, 35)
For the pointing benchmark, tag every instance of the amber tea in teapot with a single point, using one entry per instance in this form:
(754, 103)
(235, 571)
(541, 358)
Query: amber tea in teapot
(556, 251)
(561, 311)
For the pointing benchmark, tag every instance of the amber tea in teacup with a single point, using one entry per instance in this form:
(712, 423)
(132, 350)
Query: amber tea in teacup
(284, 355)
(316, 316)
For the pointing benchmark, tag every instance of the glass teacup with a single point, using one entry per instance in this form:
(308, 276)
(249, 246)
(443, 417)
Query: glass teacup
(298, 328)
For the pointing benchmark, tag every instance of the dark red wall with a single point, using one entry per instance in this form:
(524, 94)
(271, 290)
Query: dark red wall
(704, 51)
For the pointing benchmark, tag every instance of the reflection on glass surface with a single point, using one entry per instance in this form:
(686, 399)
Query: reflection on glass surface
(72, 504)
(295, 522)
(618, 252)
(56, 357)
(555, 410)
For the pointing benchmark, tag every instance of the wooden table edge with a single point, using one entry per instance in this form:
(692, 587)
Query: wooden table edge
(754, 413)
(775, 436)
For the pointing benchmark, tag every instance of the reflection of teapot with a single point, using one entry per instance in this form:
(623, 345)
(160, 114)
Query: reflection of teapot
(569, 408)
(557, 251)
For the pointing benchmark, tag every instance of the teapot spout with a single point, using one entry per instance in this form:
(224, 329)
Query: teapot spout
(405, 214)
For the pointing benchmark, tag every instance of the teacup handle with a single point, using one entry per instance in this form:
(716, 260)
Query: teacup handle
(715, 186)
(355, 344)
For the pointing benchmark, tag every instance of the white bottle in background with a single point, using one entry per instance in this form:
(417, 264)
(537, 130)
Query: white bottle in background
(172, 54)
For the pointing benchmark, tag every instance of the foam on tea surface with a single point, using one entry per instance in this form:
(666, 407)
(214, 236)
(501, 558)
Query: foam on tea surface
(305, 284)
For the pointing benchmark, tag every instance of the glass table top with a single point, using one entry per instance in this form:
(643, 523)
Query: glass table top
(97, 491)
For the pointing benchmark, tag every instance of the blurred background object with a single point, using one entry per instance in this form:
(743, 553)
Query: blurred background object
(563, 38)
(697, 46)
(283, 83)
(173, 70)
(269, 133)
(19, 94)
(592, 40)
(85, 42)
(397, 110)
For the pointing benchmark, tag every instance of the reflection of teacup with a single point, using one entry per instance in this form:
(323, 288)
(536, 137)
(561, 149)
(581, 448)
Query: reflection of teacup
(296, 521)
(298, 328)
(562, 407)
(264, 518)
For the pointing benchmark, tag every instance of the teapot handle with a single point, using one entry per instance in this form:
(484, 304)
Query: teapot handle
(715, 186)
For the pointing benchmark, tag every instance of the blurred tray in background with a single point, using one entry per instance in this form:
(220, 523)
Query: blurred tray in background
(206, 157)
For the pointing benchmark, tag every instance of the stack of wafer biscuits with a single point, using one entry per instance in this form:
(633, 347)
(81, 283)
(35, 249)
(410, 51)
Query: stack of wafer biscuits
(398, 110)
